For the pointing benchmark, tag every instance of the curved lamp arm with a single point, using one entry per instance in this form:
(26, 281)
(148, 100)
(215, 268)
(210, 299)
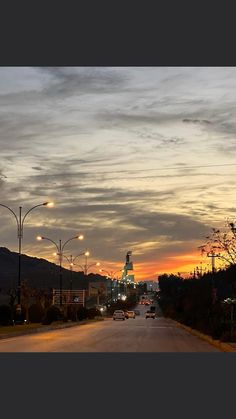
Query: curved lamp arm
(50, 240)
(72, 238)
(17, 221)
(68, 260)
(81, 254)
(31, 209)
(93, 264)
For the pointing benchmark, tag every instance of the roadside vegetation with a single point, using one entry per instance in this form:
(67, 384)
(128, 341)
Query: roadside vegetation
(205, 303)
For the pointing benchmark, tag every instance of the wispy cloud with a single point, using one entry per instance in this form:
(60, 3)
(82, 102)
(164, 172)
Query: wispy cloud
(133, 156)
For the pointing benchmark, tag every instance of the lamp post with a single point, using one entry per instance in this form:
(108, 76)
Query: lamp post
(86, 267)
(71, 261)
(60, 249)
(111, 275)
(20, 229)
(213, 256)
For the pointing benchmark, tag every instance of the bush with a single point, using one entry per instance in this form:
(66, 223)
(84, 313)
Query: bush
(36, 313)
(228, 336)
(5, 315)
(82, 313)
(53, 314)
(93, 312)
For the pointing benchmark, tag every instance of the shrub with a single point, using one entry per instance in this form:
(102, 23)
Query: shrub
(36, 313)
(53, 314)
(228, 336)
(82, 313)
(93, 312)
(5, 315)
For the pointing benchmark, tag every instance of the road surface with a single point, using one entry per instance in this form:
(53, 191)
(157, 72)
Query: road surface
(132, 335)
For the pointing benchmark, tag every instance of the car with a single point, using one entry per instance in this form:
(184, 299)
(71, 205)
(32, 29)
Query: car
(147, 303)
(131, 314)
(137, 312)
(119, 315)
(150, 315)
(126, 314)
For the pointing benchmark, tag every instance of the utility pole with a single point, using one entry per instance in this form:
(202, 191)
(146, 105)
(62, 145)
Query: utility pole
(213, 255)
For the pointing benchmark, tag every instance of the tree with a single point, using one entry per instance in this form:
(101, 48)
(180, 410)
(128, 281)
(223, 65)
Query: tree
(5, 314)
(36, 313)
(26, 293)
(222, 244)
(13, 295)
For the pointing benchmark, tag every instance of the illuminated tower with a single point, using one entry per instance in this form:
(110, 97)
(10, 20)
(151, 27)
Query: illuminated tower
(126, 277)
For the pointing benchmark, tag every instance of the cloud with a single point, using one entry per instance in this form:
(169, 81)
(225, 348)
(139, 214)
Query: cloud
(196, 121)
(70, 81)
(125, 153)
(37, 168)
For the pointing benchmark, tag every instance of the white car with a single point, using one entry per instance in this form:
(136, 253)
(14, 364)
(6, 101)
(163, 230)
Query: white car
(150, 314)
(131, 314)
(119, 315)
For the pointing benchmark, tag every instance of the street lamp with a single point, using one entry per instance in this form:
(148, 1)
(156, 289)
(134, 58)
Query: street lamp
(86, 267)
(60, 249)
(20, 228)
(71, 261)
(111, 275)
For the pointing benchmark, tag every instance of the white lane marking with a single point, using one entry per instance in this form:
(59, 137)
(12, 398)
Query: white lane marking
(149, 327)
(160, 327)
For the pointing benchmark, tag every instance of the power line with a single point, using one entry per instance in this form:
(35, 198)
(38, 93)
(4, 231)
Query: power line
(121, 171)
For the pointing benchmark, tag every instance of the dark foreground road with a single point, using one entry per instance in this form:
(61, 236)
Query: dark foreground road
(132, 335)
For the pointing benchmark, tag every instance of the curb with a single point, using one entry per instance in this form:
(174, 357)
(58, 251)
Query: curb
(47, 328)
(223, 346)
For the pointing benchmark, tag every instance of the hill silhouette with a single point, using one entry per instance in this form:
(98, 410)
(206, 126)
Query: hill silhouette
(39, 273)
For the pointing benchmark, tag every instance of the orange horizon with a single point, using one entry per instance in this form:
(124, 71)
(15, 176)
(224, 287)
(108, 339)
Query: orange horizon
(149, 270)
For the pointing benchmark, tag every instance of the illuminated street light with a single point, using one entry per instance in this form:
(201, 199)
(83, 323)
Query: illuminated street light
(111, 275)
(20, 229)
(71, 261)
(60, 249)
(86, 267)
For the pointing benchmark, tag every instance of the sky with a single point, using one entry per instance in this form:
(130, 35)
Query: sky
(137, 159)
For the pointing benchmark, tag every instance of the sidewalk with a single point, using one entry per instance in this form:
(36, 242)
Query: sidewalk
(223, 346)
(43, 328)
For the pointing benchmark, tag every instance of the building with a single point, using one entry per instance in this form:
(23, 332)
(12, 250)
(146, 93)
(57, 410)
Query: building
(126, 276)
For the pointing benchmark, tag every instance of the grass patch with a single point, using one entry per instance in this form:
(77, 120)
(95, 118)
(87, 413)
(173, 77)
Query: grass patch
(31, 326)
(19, 328)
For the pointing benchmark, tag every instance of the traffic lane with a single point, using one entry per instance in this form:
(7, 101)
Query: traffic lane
(132, 335)
(143, 309)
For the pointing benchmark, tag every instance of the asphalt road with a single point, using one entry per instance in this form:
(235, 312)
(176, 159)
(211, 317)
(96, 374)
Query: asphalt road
(132, 335)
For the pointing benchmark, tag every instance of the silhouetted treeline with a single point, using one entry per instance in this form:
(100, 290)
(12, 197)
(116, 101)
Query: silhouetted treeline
(199, 302)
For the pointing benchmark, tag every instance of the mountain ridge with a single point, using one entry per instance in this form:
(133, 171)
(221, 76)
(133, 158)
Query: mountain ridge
(39, 272)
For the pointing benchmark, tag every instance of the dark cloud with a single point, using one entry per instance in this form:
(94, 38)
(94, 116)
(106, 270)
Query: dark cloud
(69, 81)
(196, 121)
(142, 118)
(37, 168)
